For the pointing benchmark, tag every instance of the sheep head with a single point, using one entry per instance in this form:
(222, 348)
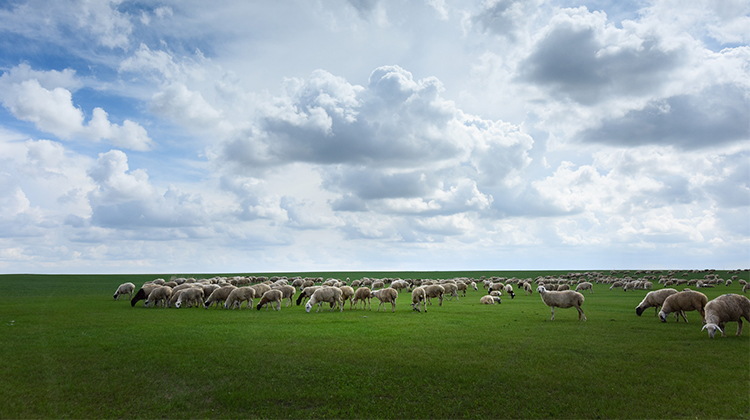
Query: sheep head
(662, 316)
(541, 289)
(308, 306)
(712, 329)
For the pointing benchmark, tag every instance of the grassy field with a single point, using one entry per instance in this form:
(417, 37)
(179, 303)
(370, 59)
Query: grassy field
(69, 351)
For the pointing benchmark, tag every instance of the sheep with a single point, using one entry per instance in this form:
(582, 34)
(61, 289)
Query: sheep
(306, 293)
(386, 295)
(287, 292)
(362, 295)
(434, 291)
(489, 300)
(527, 288)
(191, 295)
(686, 300)
(562, 288)
(125, 289)
(726, 308)
(270, 297)
(496, 286)
(218, 296)
(450, 290)
(331, 295)
(347, 293)
(143, 293)
(462, 287)
(585, 286)
(509, 290)
(160, 295)
(562, 299)
(654, 299)
(399, 285)
(239, 295)
(745, 288)
(418, 295)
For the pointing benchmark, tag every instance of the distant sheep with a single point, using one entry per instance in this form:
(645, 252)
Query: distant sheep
(686, 300)
(527, 288)
(489, 300)
(654, 300)
(386, 295)
(509, 290)
(450, 290)
(269, 298)
(726, 308)
(418, 296)
(563, 299)
(585, 286)
(125, 289)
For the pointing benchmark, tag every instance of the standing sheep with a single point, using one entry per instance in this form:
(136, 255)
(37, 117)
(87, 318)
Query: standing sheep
(192, 296)
(362, 295)
(269, 298)
(331, 295)
(418, 296)
(585, 286)
(306, 293)
(239, 295)
(563, 299)
(434, 291)
(386, 295)
(347, 293)
(218, 296)
(654, 299)
(159, 296)
(726, 308)
(686, 300)
(509, 290)
(143, 292)
(125, 289)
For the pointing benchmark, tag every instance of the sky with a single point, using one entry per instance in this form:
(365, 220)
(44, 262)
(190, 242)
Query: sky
(373, 135)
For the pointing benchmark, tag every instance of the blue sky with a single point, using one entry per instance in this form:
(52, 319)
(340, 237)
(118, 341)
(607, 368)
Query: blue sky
(186, 137)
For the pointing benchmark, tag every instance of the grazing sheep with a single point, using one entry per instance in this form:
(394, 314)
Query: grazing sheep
(489, 300)
(362, 295)
(125, 289)
(450, 290)
(192, 296)
(434, 291)
(159, 296)
(686, 300)
(726, 308)
(287, 292)
(562, 299)
(527, 288)
(509, 290)
(386, 295)
(419, 295)
(654, 299)
(143, 292)
(496, 286)
(218, 296)
(331, 295)
(399, 285)
(585, 286)
(269, 298)
(745, 288)
(347, 293)
(239, 295)
(462, 287)
(306, 293)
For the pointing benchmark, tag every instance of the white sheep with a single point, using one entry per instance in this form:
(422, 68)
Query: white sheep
(218, 296)
(489, 300)
(726, 308)
(450, 290)
(347, 293)
(363, 295)
(509, 290)
(562, 299)
(585, 286)
(686, 300)
(654, 299)
(306, 293)
(434, 291)
(418, 296)
(287, 292)
(527, 288)
(331, 295)
(386, 295)
(192, 296)
(125, 289)
(159, 296)
(269, 298)
(239, 295)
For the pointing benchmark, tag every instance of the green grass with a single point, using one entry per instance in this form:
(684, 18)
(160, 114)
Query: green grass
(69, 351)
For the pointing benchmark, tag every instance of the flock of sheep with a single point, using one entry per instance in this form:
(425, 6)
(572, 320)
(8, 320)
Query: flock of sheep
(555, 292)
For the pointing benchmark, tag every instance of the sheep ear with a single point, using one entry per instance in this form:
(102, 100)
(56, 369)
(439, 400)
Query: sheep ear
(704, 327)
(717, 327)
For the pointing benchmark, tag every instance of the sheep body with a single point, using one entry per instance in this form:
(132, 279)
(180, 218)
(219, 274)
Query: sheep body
(654, 299)
(269, 298)
(726, 308)
(489, 300)
(125, 289)
(191, 296)
(434, 291)
(686, 300)
(386, 295)
(562, 299)
(331, 295)
(585, 286)
(239, 295)
(363, 295)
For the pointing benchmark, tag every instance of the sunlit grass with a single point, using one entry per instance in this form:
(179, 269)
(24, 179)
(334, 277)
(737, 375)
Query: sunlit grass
(70, 351)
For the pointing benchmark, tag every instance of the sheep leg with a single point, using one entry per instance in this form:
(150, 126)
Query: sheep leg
(553, 313)
(739, 326)
(393, 305)
(580, 313)
(683, 317)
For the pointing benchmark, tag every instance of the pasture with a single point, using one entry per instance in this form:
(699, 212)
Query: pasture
(70, 351)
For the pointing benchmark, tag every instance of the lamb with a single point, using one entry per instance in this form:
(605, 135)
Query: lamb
(563, 299)
(489, 300)
(434, 291)
(239, 295)
(218, 296)
(125, 289)
(159, 296)
(654, 299)
(418, 295)
(686, 300)
(585, 286)
(726, 308)
(386, 295)
(270, 297)
(191, 295)
(361, 295)
(331, 295)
